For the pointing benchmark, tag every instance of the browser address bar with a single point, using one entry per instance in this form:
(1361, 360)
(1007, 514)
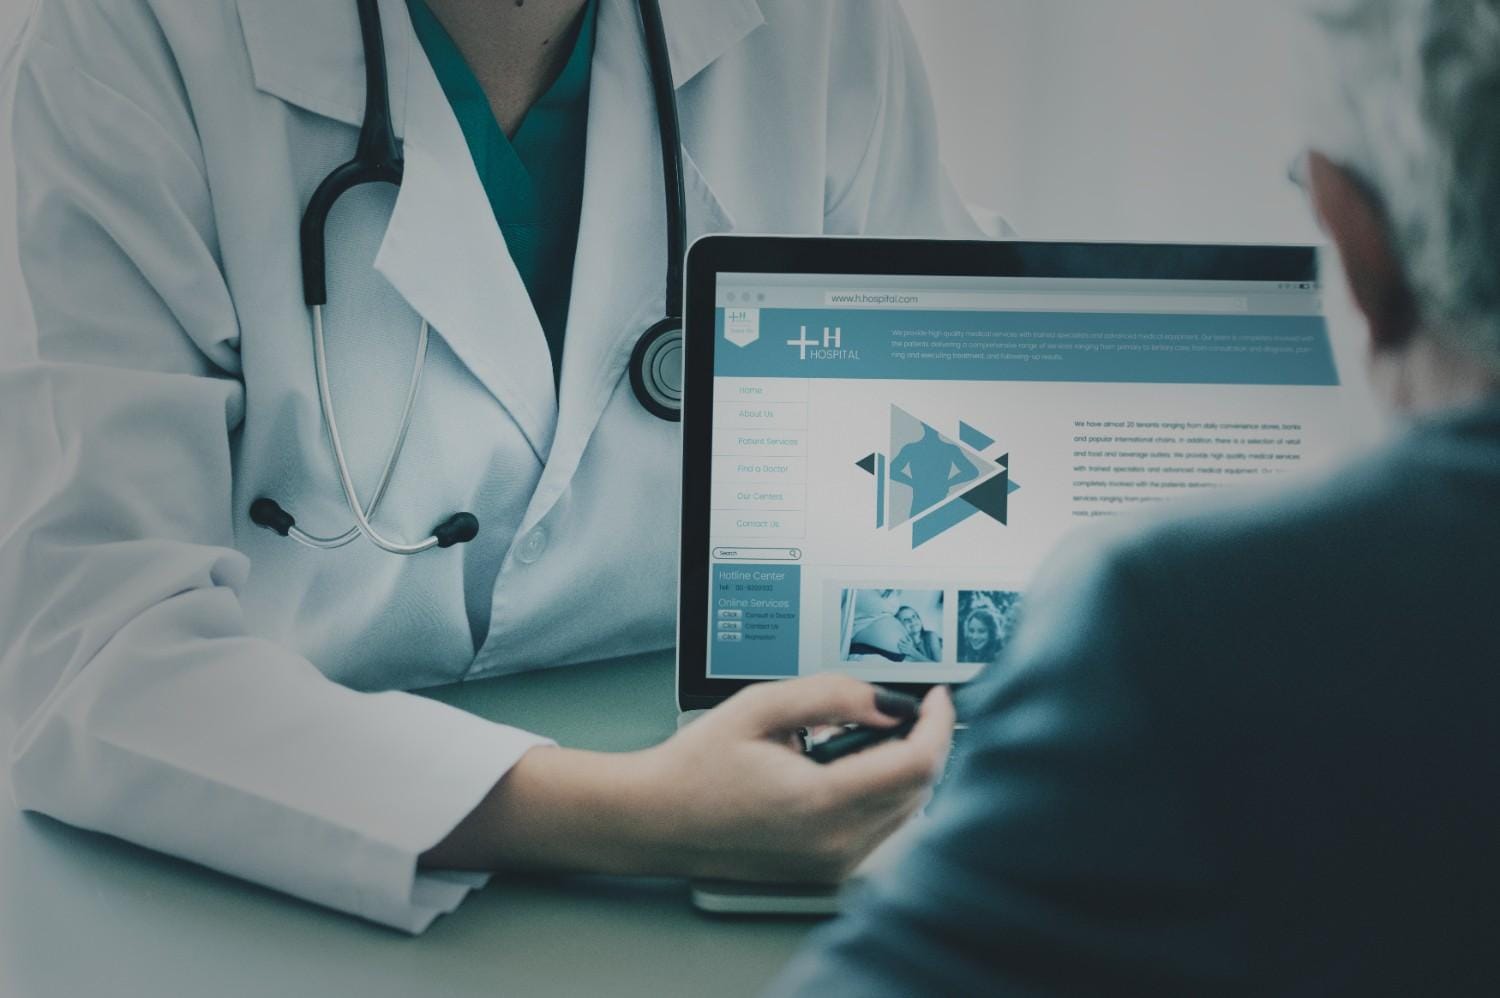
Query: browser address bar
(1008, 301)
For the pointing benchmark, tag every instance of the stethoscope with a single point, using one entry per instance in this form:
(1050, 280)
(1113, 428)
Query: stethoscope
(655, 363)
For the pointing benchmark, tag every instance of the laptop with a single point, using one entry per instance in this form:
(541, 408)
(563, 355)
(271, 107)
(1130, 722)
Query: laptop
(883, 439)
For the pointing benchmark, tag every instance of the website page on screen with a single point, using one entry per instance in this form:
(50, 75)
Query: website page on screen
(894, 457)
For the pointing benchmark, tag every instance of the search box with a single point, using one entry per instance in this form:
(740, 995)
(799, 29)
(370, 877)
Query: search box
(1008, 301)
(757, 554)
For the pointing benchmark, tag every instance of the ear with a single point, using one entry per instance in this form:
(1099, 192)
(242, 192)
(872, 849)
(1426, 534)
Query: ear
(1356, 222)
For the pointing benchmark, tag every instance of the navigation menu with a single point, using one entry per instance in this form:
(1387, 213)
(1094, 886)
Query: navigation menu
(760, 458)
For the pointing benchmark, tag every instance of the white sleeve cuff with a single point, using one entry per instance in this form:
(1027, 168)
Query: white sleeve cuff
(281, 778)
(434, 893)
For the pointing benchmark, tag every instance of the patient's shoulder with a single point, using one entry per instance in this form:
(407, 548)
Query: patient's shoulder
(1429, 493)
(1387, 557)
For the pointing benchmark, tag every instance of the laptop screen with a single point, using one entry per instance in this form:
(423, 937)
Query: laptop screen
(894, 457)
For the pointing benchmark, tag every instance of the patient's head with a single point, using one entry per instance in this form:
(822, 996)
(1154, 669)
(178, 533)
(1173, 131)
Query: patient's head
(1405, 178)
(981, 633)
(911, 620)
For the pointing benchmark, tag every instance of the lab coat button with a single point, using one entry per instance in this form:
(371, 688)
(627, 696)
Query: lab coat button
(532, 546)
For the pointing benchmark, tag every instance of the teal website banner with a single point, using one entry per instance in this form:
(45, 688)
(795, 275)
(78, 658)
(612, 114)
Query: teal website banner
(949, 345)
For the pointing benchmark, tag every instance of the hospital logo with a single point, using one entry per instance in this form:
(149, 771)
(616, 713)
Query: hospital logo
(742, 326)
(830, 347)
(936, 483)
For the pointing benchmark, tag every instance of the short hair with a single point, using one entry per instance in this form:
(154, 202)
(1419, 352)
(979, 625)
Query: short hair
(1416, 115)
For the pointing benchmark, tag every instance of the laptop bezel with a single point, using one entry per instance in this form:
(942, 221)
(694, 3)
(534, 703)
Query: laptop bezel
(858, 256)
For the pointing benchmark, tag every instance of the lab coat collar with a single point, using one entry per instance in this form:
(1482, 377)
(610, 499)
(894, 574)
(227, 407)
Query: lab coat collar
(448, 258)
(442, 250)
(307, 51)
(698, 32)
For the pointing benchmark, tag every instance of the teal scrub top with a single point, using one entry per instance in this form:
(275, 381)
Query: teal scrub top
(534, 180)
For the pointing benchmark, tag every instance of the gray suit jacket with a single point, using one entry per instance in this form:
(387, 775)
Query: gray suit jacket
(1253, 750)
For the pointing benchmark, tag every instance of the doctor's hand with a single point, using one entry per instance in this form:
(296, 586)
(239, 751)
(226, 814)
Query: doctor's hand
(730, 796)
(751, 806)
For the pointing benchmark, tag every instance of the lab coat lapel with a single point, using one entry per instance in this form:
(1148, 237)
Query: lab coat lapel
(308, 53)
(442, 250)
(619, 277)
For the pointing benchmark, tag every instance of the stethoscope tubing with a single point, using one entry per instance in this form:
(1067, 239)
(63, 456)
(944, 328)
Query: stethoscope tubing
(669, 127)
(330, 421)
(414, 384)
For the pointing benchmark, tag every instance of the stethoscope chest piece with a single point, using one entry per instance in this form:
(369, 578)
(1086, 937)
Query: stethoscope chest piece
(656, 371)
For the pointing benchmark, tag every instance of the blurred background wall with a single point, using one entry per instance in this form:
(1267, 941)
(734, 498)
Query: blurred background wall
(1139, 119)
(1135, 120)
(1121, 119)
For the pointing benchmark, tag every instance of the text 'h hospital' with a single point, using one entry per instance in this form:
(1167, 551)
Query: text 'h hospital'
(830, 348)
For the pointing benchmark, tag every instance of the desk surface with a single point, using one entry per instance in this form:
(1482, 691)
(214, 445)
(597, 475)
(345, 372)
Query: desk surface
(83, 914)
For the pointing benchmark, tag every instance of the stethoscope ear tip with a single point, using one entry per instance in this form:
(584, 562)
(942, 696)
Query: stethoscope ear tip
(460, 528)
(269, 514)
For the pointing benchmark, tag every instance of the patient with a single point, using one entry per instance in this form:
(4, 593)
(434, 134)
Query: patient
(980, 636)
(1214, 760)
(882, 627)
(920, 644)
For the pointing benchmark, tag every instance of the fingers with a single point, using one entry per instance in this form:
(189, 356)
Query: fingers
(772, 708)
(901, 765)
(934, 730)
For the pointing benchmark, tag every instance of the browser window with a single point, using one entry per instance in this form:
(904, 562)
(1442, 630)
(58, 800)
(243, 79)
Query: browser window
(894, 457)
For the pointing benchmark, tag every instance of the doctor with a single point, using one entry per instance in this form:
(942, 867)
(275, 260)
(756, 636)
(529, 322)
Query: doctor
(184, 678)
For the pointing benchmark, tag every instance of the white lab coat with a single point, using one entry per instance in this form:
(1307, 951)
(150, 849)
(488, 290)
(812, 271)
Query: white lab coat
(188, 681)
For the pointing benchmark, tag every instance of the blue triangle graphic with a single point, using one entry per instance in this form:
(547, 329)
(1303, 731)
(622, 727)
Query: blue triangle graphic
(926, 468)
(973, 438)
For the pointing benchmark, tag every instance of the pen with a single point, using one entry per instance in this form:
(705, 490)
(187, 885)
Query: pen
(857, 739)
